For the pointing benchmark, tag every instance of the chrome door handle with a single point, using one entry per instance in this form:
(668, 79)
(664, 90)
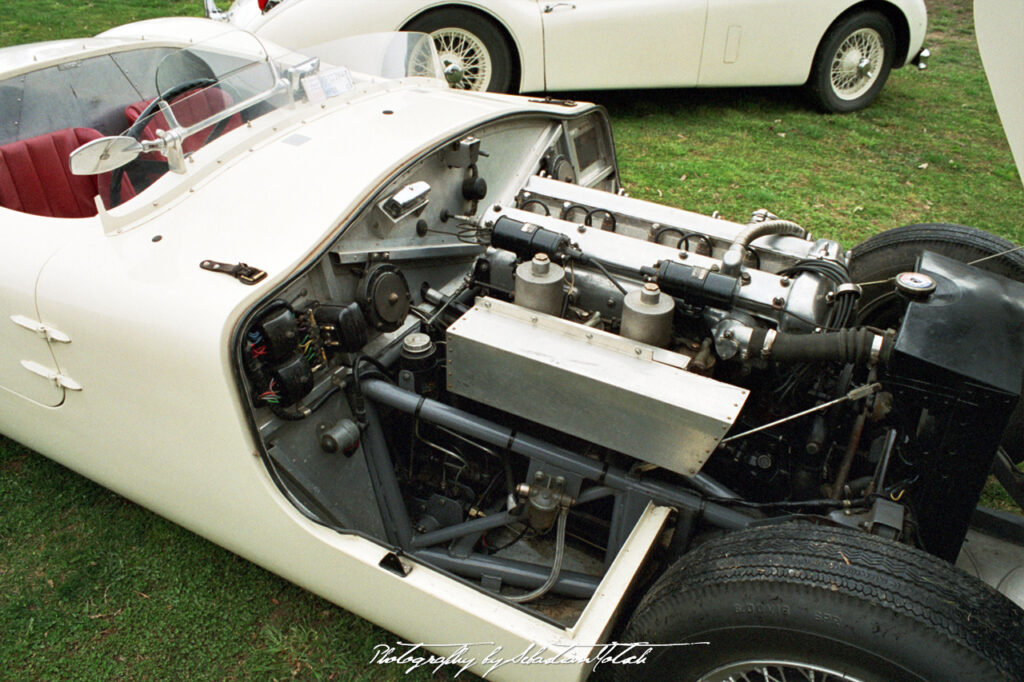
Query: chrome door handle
(548, 9)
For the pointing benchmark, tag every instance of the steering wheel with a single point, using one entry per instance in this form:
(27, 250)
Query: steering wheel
(136, 129)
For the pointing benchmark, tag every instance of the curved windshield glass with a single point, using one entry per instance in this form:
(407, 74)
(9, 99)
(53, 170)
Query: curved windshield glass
(204, 91)
(382, 55)
(209, 89)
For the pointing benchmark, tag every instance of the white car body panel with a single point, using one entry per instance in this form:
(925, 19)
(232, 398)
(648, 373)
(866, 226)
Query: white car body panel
(33, 240)
(749, 43)
(594, 44)
(163, 424)
(607, 43)
(309, 22)
(1000, 28)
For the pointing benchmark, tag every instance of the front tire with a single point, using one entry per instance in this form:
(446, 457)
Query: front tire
(853, 62)
(801, 602)
(472, 42)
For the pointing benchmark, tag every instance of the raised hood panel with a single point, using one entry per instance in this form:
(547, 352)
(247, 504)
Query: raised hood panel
(999, 25)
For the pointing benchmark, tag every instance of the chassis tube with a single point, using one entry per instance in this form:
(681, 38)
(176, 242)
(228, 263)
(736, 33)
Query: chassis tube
(516, 573)
(474, 527)
(438, 413)
(382, 474)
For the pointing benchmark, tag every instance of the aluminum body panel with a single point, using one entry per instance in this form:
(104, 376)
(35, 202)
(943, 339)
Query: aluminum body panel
(600, 387)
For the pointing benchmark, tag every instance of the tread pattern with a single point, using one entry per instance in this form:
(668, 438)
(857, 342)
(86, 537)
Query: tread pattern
(946, 238)
(902, 580)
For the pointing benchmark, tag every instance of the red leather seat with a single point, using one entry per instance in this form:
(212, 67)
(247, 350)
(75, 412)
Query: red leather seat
(36, 178)
(189, 109)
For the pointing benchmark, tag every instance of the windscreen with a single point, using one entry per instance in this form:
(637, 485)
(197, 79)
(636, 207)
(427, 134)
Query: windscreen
(381, 55)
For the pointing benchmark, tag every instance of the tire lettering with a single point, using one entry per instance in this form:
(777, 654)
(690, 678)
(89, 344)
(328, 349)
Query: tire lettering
(829, 618)
(761, 609)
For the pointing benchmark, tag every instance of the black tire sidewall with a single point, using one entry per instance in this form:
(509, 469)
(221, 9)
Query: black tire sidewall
(889, 253)
(790, 623)
(484, 30)
(834, 598)
(820, 83)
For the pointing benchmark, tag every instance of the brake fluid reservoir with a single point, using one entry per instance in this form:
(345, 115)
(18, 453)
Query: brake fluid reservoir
(647, 316)
(539, 285)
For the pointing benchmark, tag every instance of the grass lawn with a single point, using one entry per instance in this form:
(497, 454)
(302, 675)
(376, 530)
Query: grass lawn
(94, 587)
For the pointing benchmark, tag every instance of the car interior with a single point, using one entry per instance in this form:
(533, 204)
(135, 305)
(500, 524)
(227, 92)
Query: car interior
(48, 113)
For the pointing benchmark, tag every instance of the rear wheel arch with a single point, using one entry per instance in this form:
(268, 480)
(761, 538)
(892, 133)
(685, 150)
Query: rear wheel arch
(495, 21)
(896, 18)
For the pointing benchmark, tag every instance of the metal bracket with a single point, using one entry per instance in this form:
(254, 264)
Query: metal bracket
(56, 378)
(556, 102)
(48, 333)
(243, 272)
(173, 139)
(886, 519)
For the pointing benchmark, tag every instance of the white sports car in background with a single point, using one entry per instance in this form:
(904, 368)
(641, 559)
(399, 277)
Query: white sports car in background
(413, 349)
(842, 50)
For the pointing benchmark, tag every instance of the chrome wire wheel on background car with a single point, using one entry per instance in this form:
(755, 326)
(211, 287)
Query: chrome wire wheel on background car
(857, 63)
(463, 49)
(777, 671)
(852, 62)
(473, 42)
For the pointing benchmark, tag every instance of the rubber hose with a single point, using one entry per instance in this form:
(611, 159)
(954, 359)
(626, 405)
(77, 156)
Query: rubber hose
(733, 258)
(845, 345)
(556, 567)
(784, 227)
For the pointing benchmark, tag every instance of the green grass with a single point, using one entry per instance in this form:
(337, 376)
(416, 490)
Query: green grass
(27, 21)
(844, 177)
(93, 587)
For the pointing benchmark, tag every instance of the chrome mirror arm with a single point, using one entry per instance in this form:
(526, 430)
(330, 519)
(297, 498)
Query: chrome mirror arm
(169, 142)
(213, 12)
(296, 73)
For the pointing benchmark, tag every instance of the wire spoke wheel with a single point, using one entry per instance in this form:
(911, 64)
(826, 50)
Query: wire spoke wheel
(776, 671)
(857, 63)
(853, 62)
(421, 61)
(462, 48)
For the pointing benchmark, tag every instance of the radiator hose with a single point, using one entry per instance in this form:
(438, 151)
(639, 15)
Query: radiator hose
(857, 346)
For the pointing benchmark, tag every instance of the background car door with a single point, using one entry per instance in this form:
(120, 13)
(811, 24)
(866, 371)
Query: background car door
(622, 43)
(764, 42)
(24, 348)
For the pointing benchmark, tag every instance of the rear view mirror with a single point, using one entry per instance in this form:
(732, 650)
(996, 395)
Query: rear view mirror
(104, 155)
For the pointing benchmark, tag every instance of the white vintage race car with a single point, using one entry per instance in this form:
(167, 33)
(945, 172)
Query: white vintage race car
(842, 50)
(443, 372)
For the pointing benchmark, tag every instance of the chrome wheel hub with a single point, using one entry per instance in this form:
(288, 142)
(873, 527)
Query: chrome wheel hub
(857, 63)
(463, 49)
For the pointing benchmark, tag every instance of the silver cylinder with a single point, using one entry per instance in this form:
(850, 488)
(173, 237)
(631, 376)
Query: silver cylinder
(647, 316)
(539, 285)
(416, 346)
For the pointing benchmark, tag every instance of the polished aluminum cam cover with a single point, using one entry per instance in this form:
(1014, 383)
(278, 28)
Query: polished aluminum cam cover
(624, 395)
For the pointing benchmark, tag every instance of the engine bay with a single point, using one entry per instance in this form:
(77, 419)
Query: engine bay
(503, 360)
